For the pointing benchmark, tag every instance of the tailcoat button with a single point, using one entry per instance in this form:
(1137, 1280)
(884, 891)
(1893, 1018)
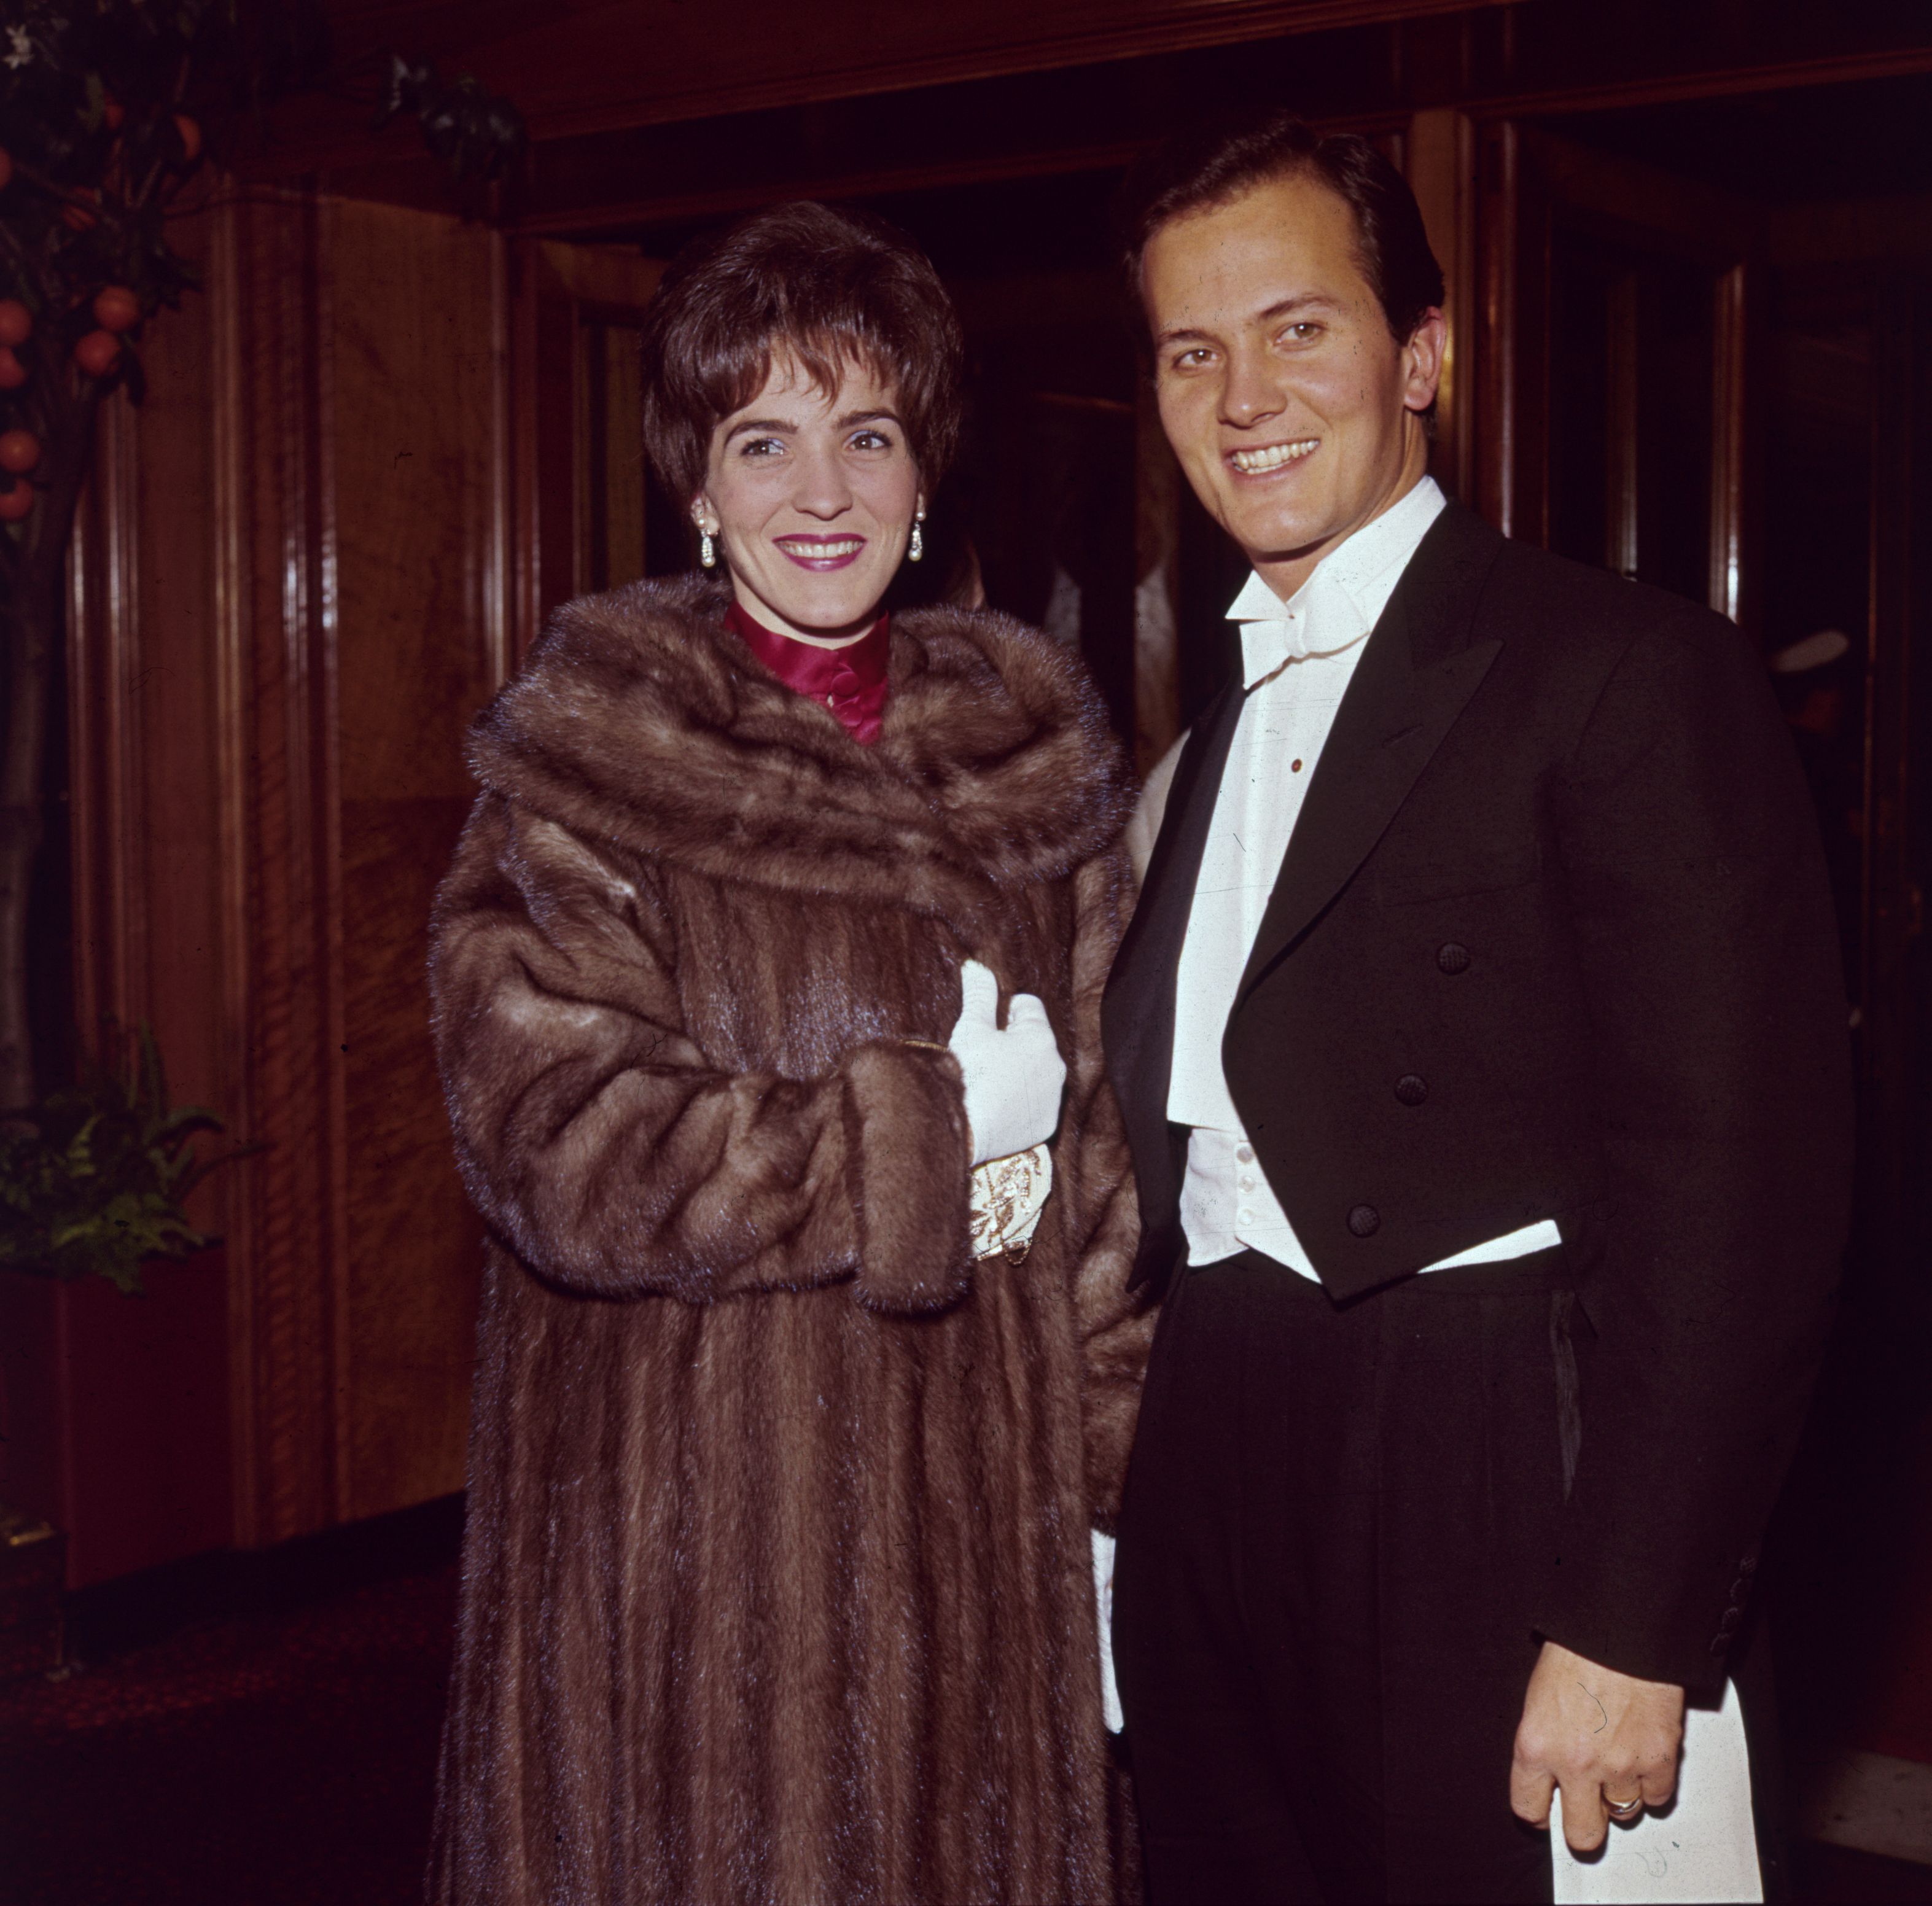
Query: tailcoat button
(1452, 957)
(1365, 1221)
(1412, 1089)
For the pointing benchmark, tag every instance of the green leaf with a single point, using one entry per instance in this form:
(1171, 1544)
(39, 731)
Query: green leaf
(92, 1178)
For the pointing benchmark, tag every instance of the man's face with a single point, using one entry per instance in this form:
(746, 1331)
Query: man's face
(1294, 413)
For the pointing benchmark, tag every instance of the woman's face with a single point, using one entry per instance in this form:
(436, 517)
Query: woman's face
(812, 494)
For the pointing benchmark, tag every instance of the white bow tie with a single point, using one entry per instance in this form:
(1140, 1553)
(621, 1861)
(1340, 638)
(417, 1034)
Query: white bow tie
(1268, 645)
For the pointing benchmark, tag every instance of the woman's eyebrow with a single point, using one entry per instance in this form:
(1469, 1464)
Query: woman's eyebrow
(778, 424)
(852, 417)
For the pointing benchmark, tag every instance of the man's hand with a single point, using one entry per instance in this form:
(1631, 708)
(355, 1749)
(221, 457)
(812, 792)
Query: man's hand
(1601, 1736)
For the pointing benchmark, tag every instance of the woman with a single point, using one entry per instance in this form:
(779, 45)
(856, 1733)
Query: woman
(776, 1582)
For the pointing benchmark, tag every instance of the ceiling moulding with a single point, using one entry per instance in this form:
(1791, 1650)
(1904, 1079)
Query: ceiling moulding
(590, 66)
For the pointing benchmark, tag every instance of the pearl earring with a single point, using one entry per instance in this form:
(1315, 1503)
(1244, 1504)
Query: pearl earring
(707, 552)
(916, 547)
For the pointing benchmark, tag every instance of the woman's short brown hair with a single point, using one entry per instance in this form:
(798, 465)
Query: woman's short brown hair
(827, 286)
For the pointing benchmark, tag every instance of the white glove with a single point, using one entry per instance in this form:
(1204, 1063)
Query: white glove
(1014, 1078)
(1103, 1595)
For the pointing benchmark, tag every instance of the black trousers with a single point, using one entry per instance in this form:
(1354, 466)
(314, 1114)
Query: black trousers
(1333, 1519)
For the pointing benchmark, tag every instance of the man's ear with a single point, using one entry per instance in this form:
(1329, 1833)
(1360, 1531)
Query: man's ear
(1422, 360)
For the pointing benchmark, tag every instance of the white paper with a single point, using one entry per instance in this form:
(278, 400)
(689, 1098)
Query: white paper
(1703, 1849)
(1103, 1598)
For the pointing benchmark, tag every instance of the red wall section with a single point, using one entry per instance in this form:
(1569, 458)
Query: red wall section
(115, 1415)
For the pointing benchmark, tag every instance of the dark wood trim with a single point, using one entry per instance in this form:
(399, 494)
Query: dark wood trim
(1500, 427)
(292, 1422)
(103, 734)
(1902, 390)
(705, 157)
(1627, 199)
(325, 716)
(1840, 232)
(1186, 27)
(999, 42)
(557, 290)
(1730, 358)
(232, 603)
(1623, 527)
(1440, 163)
(1702, 82)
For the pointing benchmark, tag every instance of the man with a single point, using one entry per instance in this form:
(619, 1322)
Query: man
(1480, 1035)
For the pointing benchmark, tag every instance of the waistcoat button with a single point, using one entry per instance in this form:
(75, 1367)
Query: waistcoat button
(1365, 1221)
(1411, 1089)
(1453, 957)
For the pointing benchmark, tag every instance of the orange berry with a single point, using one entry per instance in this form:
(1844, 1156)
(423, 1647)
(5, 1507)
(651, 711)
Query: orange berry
(12, 372)
(16, 322)
(19, 451)
(98, 352)
(117, 309)
(15, 503)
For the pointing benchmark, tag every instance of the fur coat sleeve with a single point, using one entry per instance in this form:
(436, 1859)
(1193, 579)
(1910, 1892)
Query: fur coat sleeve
(1116, 1325)
(614, 1160)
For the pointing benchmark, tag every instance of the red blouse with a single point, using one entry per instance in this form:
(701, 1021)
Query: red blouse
(850, 682)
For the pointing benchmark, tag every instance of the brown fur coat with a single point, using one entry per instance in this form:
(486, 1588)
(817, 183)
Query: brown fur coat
(776, 1584)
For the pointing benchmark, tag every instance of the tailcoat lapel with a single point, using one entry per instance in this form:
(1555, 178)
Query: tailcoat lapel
(1137, 1015)
(1415, 677)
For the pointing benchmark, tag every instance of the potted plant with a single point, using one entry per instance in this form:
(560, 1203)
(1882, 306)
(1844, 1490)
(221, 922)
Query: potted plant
(93, 1182)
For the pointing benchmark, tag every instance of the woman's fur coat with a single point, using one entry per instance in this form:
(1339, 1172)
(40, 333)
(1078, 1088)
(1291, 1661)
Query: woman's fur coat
(776, 1581)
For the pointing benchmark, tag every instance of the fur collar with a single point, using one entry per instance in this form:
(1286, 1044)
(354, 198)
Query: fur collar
(640, 720)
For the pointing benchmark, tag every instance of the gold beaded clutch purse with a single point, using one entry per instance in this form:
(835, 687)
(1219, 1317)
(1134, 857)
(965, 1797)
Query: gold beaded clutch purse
(1008, 1195)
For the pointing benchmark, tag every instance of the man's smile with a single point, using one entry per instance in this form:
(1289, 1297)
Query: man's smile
(1272, 457)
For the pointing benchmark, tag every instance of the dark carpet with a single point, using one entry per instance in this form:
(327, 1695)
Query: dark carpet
(277, 1760)
(286, 1756)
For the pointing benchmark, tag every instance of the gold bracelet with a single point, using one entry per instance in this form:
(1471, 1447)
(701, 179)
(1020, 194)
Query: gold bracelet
(926, 1045)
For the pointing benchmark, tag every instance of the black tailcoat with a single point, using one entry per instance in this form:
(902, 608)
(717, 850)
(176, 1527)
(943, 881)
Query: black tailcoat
(1553, 939)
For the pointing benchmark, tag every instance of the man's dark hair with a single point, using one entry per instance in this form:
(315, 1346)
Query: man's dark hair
(829, 287)
(1214, 162)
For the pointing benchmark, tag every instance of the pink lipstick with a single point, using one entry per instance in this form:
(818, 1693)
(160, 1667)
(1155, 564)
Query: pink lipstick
(822, 553)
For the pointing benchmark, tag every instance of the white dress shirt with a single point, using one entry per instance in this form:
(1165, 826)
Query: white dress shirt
(1296, 661)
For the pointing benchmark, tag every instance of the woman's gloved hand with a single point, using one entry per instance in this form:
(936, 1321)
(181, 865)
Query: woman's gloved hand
(1014, 1078)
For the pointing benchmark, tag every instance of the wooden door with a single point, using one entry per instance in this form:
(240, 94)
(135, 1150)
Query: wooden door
(1729, 400)
(290, 589)
(588, 517)
(1612, 319)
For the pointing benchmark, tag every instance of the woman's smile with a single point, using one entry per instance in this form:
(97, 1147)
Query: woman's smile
(821, 553)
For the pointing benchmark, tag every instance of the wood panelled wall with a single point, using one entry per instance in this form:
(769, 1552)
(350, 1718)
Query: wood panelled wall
(293, 591)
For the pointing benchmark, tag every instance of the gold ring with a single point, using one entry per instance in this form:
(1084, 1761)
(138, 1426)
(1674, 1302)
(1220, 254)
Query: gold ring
(1623, 1809)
